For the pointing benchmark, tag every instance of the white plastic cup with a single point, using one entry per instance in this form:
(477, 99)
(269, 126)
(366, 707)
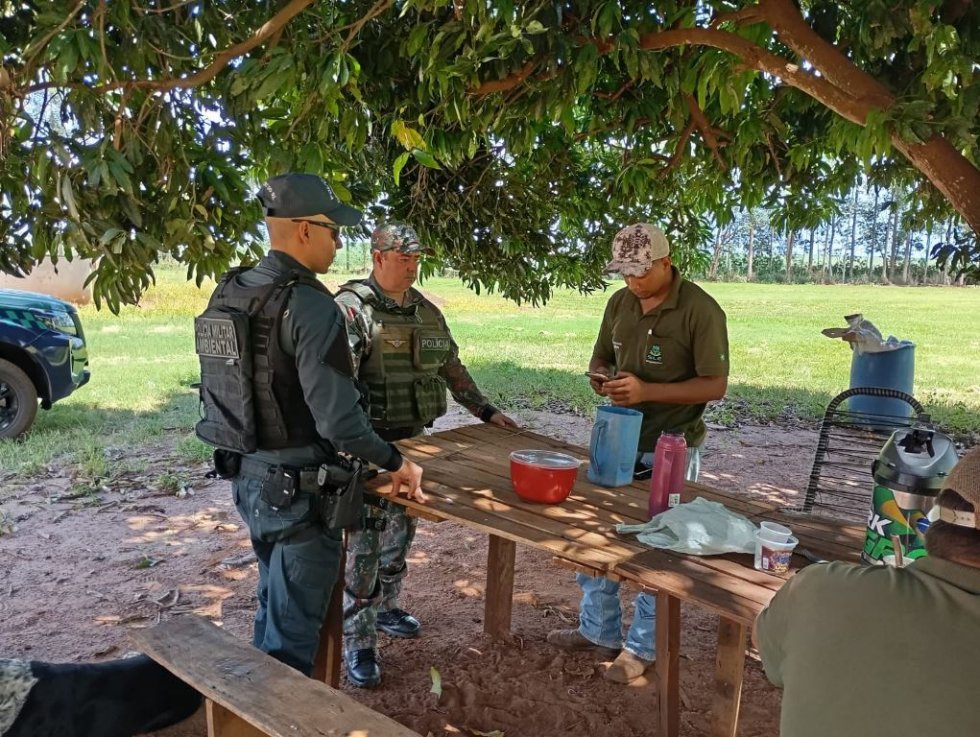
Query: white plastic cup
(776, 532)
(771, 556)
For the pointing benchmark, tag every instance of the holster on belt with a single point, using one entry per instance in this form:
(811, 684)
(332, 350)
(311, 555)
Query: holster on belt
(342, 494)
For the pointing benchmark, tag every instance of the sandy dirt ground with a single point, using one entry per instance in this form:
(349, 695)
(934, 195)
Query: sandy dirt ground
(78, 572)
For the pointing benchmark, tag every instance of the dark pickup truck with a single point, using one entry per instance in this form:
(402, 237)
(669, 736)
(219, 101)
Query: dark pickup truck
(43, 356)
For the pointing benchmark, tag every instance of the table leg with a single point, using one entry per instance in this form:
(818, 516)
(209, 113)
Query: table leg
(500, 587)
(225, 723)
(729, 671)
(326, 667)
(668, 662)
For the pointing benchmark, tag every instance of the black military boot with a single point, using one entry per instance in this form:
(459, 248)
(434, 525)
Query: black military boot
(363, 669)
(398, 623)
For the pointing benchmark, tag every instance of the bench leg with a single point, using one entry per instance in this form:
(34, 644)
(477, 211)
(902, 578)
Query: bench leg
(330, 653)
(500, 587)
(225, 723)
(728, 677)
(668, 663)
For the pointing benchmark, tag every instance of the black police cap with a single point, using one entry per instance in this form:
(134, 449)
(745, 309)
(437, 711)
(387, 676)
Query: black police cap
(304, 195)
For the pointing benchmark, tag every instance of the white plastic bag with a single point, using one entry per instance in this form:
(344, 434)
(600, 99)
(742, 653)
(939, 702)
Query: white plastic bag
(697, 528)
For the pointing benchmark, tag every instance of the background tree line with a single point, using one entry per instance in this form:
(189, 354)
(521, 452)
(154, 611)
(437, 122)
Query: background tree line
(873, 234)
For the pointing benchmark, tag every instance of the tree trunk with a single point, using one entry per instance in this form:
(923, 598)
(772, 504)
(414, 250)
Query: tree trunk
(908, 258)
(950, 172)
(874, 238)
(750, 276)
(828, 267)
(809, 259)
(896, 234)
(889, 232)
(849, 266)
(949, 239)
(925, 258)
(715, 257)
(789, 256)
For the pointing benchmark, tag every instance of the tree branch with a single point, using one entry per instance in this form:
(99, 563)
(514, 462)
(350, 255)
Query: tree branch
(32, 51)
(793, 30)
(507, 83)
(377, 9)
(705, 129)
(744, 16)
(679, 150)
(271, 26)
(754, 56)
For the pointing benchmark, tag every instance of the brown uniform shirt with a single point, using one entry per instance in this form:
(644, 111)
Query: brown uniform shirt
(684, 337)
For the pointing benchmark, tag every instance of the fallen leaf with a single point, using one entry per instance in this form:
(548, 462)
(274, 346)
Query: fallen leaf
(494, 733)
(147, 562)
(436, 681)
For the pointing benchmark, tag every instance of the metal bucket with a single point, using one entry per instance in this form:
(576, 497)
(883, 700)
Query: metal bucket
(908, 474)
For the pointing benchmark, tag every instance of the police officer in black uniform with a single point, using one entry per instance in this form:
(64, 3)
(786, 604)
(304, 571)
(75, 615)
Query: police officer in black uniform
(280, 402)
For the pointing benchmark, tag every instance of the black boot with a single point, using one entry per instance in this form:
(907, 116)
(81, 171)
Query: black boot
(363, 669)
(398, 623)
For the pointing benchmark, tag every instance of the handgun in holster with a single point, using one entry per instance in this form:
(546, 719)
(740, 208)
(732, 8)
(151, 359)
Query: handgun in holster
(342, 494)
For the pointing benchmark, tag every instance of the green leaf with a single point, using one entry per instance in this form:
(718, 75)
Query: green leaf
(535, 27)
(399, 164)
(436, 681)
(408, 137)
(426, 159)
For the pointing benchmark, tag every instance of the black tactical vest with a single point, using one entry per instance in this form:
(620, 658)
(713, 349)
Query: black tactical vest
(251, 397)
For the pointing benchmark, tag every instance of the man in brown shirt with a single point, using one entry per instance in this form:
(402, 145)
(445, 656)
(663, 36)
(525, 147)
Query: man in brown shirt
(664, 344)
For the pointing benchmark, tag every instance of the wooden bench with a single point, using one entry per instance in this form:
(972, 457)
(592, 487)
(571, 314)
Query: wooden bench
(248, 693)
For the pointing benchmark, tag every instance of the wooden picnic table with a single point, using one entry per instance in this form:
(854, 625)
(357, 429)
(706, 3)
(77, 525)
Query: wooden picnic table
(467, 480)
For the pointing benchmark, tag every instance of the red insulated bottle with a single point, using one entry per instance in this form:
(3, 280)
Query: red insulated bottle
(669, 470)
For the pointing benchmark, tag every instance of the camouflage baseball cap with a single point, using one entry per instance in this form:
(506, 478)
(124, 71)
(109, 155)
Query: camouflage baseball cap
(399, 237)
(302, 196)
(636, 247)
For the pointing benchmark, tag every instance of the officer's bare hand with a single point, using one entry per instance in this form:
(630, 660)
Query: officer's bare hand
(408, 480)
(625, 389)
(501, 420)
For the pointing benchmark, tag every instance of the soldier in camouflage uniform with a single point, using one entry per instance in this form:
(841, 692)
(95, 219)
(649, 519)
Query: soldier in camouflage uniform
(405, 358)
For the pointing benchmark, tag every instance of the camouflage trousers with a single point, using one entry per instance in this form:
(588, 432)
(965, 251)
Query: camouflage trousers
(373, 577)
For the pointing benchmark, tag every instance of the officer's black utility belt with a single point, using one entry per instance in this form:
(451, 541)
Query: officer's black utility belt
(336, 486)
(306, 476)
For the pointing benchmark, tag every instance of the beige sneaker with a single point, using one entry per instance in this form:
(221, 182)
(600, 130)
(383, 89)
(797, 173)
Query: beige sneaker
(627, 667)
(572, 639)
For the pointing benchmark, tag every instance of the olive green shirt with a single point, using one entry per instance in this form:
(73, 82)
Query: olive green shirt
(684, 337)
(862, 650)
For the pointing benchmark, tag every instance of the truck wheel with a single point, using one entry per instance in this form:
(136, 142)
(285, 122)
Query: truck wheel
(18, 400)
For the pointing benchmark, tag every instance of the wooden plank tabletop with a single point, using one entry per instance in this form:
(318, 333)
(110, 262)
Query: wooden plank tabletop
(467, 479)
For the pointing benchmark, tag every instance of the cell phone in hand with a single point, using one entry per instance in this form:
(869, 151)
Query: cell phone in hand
(596, 376)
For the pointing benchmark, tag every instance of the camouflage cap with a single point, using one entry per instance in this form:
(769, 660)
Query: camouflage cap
(964, 479)
(636, 247)
(399, 237)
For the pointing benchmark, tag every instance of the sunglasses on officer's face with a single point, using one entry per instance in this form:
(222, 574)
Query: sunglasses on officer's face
(329, 226)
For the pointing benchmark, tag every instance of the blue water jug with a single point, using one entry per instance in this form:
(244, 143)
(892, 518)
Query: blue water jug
(893, 369)
(612, 448)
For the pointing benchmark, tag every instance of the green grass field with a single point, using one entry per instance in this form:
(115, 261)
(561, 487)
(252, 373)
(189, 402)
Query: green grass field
(782, 367)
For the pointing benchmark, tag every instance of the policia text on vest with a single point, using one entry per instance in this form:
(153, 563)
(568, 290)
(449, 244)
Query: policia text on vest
(236, 342)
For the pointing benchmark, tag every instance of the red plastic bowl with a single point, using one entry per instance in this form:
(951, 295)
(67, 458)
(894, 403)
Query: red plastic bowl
(543, 476)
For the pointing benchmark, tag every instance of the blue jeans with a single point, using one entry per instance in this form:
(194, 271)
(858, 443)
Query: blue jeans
(600, 613)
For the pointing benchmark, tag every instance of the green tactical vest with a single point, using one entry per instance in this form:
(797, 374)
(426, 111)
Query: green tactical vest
(400, 375)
